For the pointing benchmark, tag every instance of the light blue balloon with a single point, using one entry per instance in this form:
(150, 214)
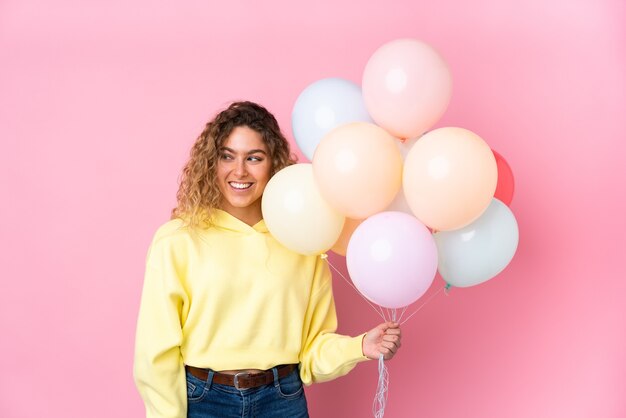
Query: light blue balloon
(323, 106)
(479, 251)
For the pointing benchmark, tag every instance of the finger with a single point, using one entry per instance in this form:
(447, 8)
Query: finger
(389, 346)
(392, 339)
(382, 348)
(393, 331)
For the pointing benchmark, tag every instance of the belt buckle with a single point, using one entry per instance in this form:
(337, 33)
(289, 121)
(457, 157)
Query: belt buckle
(236, 379)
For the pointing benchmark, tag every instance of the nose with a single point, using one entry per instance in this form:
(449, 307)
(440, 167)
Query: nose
(240, 167)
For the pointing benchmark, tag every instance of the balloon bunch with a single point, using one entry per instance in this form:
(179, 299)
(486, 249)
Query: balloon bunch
(399, 202)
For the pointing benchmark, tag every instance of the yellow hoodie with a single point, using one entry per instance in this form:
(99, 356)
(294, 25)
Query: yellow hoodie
(231, 297)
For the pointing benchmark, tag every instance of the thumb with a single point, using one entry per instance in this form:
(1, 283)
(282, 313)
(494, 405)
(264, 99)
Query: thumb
(386, 325)
(380, 329)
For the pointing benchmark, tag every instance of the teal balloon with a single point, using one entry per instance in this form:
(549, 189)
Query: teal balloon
(479, 251)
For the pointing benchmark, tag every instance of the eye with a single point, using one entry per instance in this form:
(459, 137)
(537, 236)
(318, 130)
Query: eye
(226, 156)
(255, 158)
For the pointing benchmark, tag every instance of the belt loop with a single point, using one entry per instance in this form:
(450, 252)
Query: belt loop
(209, 379)
(275, 371)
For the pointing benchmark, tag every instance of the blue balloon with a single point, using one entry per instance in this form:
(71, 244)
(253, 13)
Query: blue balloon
(323, 106)
(479, 251)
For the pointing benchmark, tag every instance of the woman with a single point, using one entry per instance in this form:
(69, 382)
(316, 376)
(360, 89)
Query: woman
(231, 322)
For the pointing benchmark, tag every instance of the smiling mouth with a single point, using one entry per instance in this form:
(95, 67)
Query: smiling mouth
(239, 186)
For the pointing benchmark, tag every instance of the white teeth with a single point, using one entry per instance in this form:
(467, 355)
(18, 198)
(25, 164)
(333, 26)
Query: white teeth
(240, 185)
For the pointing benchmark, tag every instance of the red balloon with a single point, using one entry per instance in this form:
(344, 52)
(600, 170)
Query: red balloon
(506, 183)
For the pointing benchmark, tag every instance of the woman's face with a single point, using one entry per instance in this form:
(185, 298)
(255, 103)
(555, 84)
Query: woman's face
(243, 170)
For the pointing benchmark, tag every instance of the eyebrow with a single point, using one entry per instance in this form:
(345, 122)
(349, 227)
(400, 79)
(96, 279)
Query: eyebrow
(252, 151)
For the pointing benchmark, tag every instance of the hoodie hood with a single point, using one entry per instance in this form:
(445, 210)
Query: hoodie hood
(223, 220)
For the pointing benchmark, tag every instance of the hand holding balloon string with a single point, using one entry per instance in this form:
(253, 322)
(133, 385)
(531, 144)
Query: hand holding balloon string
(384, 339)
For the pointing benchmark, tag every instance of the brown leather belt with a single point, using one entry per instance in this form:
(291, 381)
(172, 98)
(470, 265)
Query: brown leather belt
(243, 380)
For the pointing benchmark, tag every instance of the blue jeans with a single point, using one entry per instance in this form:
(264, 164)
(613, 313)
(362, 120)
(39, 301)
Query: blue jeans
(282, 398)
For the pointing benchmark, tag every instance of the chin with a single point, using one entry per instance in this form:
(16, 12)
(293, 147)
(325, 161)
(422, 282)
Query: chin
(241, 203)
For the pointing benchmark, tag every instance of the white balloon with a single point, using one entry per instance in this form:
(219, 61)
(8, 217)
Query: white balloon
(323, 106)
(479, 251)
(297, 215)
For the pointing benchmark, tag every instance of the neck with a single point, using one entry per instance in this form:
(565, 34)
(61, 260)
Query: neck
(250, 215)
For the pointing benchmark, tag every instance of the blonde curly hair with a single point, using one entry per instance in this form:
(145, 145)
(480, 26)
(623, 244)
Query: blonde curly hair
(198, 193)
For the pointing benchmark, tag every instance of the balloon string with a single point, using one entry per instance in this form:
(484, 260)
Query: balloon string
(402, 313)
(376, 308)
(380, 400)
(391, 314)
(394, 314)
(427, 300)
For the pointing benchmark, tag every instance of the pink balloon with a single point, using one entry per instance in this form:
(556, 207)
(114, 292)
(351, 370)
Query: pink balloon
(392, 259)
(406, 87)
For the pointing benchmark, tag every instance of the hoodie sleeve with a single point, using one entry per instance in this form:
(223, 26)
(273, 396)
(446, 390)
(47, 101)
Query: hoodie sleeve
(158, 368)
(326, 355)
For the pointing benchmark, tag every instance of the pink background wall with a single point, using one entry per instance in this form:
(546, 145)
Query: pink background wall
(100, 102)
